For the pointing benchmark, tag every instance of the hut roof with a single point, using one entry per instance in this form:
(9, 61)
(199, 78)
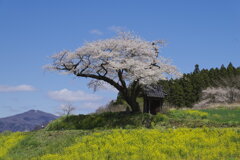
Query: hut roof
(155, 91)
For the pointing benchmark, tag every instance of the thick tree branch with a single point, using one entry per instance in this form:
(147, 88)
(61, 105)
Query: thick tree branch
(120, 76)
(102, 68)
(99, 77)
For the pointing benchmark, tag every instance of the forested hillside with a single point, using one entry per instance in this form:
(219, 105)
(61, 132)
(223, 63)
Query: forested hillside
(187, 91)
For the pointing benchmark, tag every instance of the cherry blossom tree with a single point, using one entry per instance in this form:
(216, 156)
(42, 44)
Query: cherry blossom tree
(125, 62)
(218, 95)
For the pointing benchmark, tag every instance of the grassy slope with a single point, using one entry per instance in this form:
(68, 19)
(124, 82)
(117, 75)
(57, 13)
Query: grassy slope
(39, 143)
(174, 118)
(56, 144)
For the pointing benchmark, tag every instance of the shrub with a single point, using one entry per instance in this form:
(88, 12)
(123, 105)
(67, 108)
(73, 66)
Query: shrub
(161, 117)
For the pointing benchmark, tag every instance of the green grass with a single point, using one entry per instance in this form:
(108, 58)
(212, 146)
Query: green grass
(99, 121)
(223, 114)
(36, 144)
(221, 117)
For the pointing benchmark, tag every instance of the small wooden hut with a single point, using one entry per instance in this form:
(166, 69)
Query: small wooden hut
(153, 99)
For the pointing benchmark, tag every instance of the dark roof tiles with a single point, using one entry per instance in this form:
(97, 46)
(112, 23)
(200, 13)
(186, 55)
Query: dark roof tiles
(155, 91)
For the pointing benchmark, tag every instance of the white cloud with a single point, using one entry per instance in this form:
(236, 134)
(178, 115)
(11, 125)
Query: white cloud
(96, 32)
(90, 105)
(18, 88)
(117, 28)
(110, 88)
(66, 95)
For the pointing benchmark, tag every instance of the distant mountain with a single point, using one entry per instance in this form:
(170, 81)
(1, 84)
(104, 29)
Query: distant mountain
(26, 121)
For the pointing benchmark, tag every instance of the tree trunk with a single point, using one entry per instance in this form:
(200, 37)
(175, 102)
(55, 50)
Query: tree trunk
(134, 105)
(132, 102)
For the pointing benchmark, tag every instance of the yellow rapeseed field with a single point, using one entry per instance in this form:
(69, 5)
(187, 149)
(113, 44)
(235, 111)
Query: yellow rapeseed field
(9, 141)
(155, 144)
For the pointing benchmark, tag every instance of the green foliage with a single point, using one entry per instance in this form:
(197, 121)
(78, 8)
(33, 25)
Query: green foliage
(160, 118)
(186, 91)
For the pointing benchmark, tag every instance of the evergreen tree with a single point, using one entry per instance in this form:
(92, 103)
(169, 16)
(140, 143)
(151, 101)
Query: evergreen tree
(177, 95)
(223, 71)
(196, 70)
(187, 86)
(206, 79)
(231, 69)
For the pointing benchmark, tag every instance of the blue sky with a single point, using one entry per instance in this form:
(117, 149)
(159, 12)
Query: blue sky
(197, 32)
